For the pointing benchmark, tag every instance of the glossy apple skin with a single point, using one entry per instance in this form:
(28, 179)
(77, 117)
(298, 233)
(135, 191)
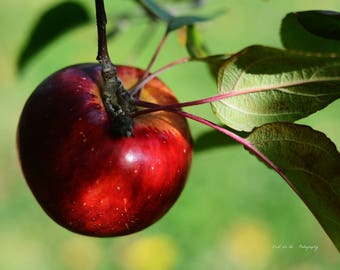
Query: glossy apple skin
(89, 180)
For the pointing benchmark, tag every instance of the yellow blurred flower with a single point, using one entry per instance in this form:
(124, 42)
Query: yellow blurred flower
(80, 253)
(150, 253)
(248, 245)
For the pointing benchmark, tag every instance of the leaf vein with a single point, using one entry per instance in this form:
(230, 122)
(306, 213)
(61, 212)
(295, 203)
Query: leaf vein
(300, 142)
(313, 175)
(234, 107)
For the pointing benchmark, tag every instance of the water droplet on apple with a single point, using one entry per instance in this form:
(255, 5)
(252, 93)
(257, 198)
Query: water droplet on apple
(129, 157)
(132, 221)
(82, 134)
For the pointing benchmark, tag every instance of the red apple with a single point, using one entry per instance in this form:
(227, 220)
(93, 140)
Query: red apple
(89, 180)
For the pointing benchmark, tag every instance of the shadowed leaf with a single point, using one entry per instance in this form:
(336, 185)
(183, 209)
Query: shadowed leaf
(321, 23)
(53, 23)
(278, 85)
(311, 162)
(312, 31)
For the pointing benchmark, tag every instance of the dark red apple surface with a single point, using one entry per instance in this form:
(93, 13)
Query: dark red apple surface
(89, 180)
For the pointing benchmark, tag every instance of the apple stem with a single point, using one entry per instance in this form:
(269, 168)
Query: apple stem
(153, 107)
(155, 55)
(116, 99)
(136, 89)
(175, 108)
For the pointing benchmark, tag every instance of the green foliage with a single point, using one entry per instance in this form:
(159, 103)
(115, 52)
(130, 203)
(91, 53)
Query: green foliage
(311, 31)
(155, 9)
(321, 23)
(281, 86)
(264, 87)
(311, 163)
(194, 44)
(235, 188)
(173, 22)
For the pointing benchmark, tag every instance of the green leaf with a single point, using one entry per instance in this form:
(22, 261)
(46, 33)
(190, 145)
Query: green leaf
(321, 23)
(174, 22)
(311, 163)
(177, 22)
(281, 86)
(53, 23)
(194, 44)
(311, 31)
(155, 9)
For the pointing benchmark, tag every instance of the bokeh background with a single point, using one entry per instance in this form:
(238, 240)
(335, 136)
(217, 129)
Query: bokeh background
(234, 212)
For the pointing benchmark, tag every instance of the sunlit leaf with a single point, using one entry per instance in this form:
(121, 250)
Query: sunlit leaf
(282, 86)
(311, 163)
(53, 23)
(312, 31)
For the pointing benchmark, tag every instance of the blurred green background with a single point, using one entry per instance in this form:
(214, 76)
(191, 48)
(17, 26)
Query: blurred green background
(234, 212)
